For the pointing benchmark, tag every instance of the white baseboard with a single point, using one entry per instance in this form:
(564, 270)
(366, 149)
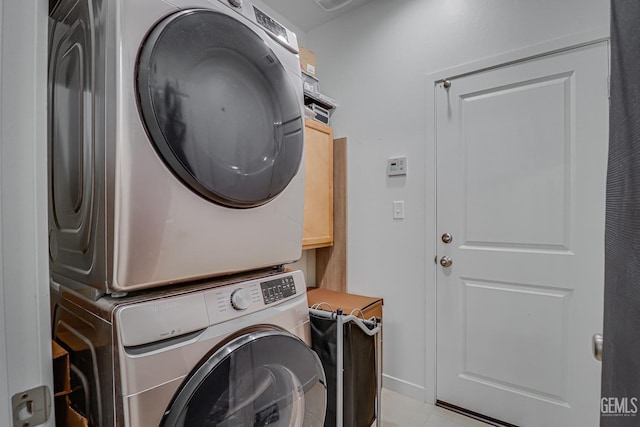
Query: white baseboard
(404, 387)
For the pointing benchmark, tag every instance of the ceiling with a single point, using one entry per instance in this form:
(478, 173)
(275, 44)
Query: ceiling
(306, 14)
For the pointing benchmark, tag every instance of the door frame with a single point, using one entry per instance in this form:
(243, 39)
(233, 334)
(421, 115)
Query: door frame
(593, 36)
(25, 344)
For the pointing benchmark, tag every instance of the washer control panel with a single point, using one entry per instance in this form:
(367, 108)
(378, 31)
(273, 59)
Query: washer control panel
(240, 299)
(167, 317)
(277, 289)
(224, 301)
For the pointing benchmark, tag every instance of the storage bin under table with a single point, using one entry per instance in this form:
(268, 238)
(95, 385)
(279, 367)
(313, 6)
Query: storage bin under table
(359, 305)
(350, 350)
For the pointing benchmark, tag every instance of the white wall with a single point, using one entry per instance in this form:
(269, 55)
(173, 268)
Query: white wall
(374, 62)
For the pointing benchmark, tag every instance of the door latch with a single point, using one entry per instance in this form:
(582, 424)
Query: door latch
(32, 407)
(597, 344)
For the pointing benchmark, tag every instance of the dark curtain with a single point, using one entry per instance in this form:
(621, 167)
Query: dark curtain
(621, 353)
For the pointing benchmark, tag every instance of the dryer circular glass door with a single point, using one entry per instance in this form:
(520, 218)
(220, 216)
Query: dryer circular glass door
(220, 108)
(263, 378)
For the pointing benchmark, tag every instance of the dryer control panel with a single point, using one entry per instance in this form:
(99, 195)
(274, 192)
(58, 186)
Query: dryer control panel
(271, 24)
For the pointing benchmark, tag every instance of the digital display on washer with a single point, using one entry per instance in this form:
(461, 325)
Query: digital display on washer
(277, 289)
(270, 24)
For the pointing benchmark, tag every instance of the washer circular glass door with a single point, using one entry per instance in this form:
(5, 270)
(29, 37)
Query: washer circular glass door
(263, 378)
(220, 108)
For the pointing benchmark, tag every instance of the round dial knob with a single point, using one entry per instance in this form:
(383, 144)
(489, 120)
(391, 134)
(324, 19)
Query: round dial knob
(235, 3)
(240, 299)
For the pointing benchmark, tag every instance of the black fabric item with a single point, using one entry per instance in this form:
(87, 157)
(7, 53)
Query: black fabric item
(359, 371)
(621, 351)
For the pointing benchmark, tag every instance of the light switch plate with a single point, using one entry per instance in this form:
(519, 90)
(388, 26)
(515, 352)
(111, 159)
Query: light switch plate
(398, 209)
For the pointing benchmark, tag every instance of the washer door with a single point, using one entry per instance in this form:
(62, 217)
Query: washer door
(220, 108)
(264, 378)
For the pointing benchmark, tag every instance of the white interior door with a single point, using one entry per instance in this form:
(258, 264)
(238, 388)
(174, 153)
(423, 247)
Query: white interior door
(521, 168)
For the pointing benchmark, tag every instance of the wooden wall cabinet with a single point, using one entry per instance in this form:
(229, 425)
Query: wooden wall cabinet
(318, 199)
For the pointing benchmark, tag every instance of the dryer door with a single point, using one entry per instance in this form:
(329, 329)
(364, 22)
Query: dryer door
(220, 108)
(264, 378)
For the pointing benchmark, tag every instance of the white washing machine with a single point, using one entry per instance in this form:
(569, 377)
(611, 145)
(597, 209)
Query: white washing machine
(175, 142)
(232, 355)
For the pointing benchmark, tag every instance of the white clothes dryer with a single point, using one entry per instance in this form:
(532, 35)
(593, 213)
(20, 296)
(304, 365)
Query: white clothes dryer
(231, 355)
(175, 142)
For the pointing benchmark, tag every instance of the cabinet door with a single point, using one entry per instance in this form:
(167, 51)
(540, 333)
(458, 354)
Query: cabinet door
(318, 202)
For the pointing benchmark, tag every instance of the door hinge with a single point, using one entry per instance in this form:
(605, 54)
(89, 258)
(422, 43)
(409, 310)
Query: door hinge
(32, 407)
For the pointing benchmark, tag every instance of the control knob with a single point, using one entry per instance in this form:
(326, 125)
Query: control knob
(235, 3)
(240, 299)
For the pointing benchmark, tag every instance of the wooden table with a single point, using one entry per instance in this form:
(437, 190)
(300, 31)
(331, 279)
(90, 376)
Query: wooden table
(349, 303)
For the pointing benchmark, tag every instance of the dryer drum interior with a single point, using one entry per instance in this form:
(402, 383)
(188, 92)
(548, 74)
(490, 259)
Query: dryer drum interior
(219, 108)
(262, 378)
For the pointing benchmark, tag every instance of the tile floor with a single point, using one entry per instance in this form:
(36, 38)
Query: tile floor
(401, 411)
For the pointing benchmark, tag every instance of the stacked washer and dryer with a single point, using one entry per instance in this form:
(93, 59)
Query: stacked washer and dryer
(176, 198)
